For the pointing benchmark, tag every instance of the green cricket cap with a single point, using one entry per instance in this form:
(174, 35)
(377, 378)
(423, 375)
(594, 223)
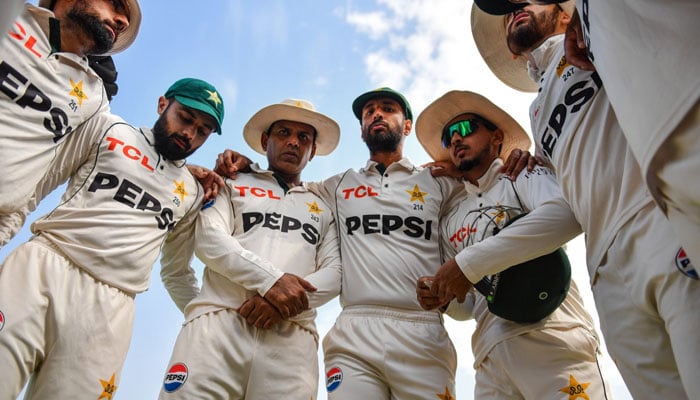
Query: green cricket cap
(199, 95)
(361, 100)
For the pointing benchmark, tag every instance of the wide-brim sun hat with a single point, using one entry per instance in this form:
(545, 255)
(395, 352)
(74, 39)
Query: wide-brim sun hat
(489, 34)
(297, 110)
(125, 38)
(435, 116)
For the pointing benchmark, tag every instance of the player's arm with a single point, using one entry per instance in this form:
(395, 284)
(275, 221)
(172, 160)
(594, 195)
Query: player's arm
(542, 231)
(328, 275)
(230, 163)
(176, 272)
(210, 180)
(220, 251)
(70, 156)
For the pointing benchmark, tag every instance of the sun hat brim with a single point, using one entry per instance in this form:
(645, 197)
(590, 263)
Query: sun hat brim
(328, 131)
(124, 39)
(489, 34)
(435, 116)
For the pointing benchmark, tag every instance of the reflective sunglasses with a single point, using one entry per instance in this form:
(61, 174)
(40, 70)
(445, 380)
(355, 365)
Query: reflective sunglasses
(464, 128)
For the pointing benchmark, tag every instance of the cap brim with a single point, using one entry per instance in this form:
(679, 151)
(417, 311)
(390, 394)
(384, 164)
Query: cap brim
(435, 116)
(200, 106)
(328, 131)
(362, 99)
(498, 7)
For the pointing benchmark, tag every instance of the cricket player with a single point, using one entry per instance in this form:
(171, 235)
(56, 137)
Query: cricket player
(644, 55)
(646, 290)
(547, 359)
(264, 225)
(383, 345)
(388, 215)
(48, 90)
(67, 295)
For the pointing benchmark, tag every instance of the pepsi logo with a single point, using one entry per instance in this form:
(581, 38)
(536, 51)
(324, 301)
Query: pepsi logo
(334, 377)
(2, 320)
(175, 377)
(684, 265)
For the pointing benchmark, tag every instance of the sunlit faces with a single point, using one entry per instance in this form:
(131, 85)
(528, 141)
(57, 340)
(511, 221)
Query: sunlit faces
(289, 145)
(479, 146)
(384, 124)
(101, 22)
(527, 28)
(180, 130)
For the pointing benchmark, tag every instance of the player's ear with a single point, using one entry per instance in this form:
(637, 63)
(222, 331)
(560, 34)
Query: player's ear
(313, 151)
(497, 137)
(407, 125)
(263, 141)
(162, 104)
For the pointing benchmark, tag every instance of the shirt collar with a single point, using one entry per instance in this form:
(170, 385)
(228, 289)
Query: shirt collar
(487, 180)
(543, 56)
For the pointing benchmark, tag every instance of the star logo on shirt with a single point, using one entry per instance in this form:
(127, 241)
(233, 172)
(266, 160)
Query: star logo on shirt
(180, 190)
(417, 195)
(214, 97)
(314, 208)
(77, 92)
(576, 390)
(446, 396)
(108, 389)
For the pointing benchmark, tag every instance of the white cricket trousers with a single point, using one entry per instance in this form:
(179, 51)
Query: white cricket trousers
(673, 180)
(649, 310)
(61, 329)
(543, 364)
(377, 353)
(218, 355)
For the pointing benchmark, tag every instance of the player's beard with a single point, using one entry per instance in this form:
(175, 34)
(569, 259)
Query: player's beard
(164, 143)
(467, 164)
(527, 36)
(382, 141)
(93, 27)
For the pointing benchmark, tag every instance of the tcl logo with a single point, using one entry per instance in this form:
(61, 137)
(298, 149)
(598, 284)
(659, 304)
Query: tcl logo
(359, 192)
(29, 41)
(129, 151)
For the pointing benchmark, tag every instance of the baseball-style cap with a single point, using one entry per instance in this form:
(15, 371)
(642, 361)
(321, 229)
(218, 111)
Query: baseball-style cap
(489, 34)
(124, 39)
(530, 291)
(503, 7)
(435, 117)
(200, 95)
(362, 99)
(297, 110)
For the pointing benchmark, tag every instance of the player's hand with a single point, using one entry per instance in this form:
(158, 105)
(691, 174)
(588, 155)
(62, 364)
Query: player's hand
(288, 295)
(259, 312)
(517, 161)
(575, 45)
(450, 282)
(229, 163)
(210, 180)
(443, 168)
(426, 299)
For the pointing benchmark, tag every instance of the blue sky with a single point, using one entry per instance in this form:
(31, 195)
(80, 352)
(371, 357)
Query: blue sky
(261, 52)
